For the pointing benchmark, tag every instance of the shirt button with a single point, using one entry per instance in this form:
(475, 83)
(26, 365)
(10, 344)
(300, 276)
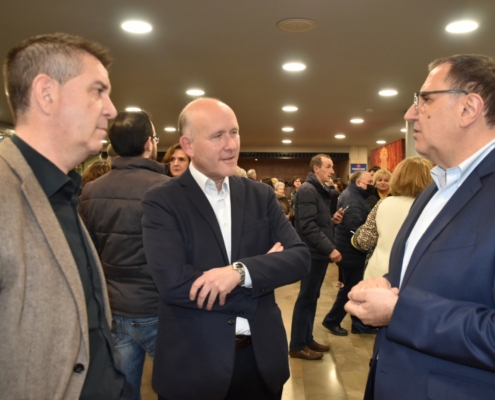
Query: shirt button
(231, 321)
(78, 368)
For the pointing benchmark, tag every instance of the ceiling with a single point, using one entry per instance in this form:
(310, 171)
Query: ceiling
(233, 50)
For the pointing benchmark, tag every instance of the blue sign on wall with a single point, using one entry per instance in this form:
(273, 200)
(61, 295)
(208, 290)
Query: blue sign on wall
(358, 167)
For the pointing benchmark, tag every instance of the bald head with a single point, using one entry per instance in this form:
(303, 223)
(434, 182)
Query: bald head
(197, 110)
(210, 137)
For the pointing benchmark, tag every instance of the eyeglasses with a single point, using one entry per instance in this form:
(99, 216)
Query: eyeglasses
(156, 138)
(421, 95)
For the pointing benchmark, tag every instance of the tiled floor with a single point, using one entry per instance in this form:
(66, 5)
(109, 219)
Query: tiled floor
(340, 375)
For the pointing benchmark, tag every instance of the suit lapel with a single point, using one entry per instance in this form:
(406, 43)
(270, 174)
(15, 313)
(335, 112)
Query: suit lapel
(237, 191)
(457, 202)
(200, 201)
(49, 225)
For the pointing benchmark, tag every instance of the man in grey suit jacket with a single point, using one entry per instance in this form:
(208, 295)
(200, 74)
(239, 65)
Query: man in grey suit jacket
(206, 238)
(437, 304)
(55, 340)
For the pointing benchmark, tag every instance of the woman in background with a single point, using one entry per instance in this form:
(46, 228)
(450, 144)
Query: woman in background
(177, 158)
(296, 184)
(95, 170)
(381, 181)
(409, 179)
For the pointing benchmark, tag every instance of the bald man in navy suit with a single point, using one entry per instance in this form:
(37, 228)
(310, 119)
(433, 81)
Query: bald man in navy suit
(218, 246)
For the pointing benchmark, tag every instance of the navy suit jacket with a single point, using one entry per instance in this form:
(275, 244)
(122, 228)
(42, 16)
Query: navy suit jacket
(195, 348)
(440, 343)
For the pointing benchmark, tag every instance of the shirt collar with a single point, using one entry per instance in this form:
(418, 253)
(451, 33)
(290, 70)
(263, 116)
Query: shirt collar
(446, 178)
(204, 182)
(49, 176)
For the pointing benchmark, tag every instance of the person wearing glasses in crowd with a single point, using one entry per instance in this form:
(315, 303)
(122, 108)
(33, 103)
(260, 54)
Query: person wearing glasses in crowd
(111, 210)
(436, 306)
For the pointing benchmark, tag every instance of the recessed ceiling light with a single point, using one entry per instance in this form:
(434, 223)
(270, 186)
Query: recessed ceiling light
(195, 92)
(289, 108)
(461, 26)
(381, 141)
(288, 129)
(294, 66)
(170, 129)
(287, 141)
(403, 130)
(133, 109)
(136, 26)
(340, 136)
(388, 92)
(104, 141)
(357, 121)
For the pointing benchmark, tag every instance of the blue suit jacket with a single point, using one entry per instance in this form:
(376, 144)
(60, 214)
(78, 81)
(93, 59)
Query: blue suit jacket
(195, 348)
(440, 343)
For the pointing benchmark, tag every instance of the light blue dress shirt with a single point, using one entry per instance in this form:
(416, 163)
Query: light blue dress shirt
(447, 181)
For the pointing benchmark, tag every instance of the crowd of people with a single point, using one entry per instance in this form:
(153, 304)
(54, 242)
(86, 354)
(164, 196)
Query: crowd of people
(181, 259)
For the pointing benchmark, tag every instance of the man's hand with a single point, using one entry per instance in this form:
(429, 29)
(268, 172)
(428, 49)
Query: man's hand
(214, 282)
(219, 282)
(277, 247)
(373, 301)
(335, 256)
(338, 216)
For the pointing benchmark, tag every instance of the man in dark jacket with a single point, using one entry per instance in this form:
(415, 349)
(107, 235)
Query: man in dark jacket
(313, 223)
(353, 201)
(110, 207)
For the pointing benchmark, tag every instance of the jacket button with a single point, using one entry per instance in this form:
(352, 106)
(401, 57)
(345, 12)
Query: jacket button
(78, 368)
(231, 321)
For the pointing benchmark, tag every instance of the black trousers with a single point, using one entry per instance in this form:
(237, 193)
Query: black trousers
(247, 383)
(352, 276)
(303, 317)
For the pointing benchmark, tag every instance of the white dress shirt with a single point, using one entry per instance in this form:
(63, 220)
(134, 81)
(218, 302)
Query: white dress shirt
(220, 202)
(447, 181)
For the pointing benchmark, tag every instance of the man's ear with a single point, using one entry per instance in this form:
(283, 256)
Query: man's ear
(473, 109)
(148, 145)
(44, 93)
(186, 144)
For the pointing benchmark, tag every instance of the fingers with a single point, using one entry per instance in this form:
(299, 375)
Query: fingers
(197, 284)
(277, 247)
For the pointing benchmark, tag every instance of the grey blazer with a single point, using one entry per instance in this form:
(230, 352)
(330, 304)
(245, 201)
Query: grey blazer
(44, 328)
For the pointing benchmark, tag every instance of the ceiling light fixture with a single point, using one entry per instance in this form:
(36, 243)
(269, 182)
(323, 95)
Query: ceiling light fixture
(357, 121)
(195, 92)
(104, 141)
(294, 67)
(403, 130)
(296, 25)
(381, 141)
(287, 141)
(133, 109)
(289, 108)
(462, 26)
(170, 129)
(340, 136)
(388, 92)
(136, 26)
(288, 129)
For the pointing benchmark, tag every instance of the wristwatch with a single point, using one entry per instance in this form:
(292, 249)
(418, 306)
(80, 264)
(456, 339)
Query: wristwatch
(240, 268)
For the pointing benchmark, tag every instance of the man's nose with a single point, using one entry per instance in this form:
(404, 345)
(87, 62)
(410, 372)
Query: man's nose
(411, 114)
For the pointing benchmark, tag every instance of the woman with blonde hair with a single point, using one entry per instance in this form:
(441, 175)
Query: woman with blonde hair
(409, 179)
(381, 181)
